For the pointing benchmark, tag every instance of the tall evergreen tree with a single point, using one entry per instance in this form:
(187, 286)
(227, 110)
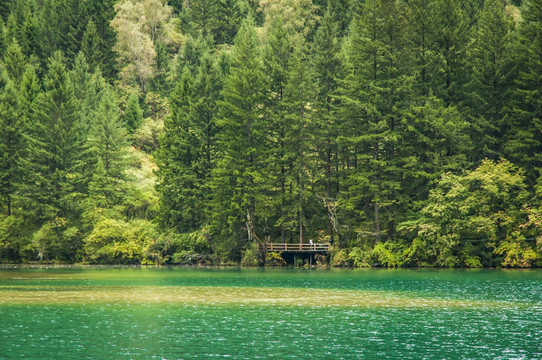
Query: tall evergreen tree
(133, 115)
(12, 145)
(188, 151)
(101, 13)
(15, 62)
(375, 92)
(239, 183)
(175, 159)
(204, 14)
(91, 46)
(108, 144)
(450, 37)
(326, 67)
(3, 37)
(523, 144)
(297, 138)
(52, 27)
(420, 36)
(491, 63)
(54, 169)
(76, 23)
(230, 14)
(276, 63)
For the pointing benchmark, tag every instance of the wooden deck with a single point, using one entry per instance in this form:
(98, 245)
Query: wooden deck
(282, 247)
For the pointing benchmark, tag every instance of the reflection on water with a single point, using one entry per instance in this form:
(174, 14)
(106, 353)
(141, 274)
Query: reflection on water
(251, 314)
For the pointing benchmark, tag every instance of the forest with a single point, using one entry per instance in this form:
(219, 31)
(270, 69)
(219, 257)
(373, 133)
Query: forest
(405, 133)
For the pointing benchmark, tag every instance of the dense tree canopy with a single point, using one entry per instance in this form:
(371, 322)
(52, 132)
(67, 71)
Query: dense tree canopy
(405, 133)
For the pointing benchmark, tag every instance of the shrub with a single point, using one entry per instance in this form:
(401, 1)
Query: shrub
(251, 255)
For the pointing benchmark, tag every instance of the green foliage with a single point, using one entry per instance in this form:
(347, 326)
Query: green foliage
(341, 258)
(120, 242)
(91, 46)
(54, 169)
(12, 146)
(12, 238)
(190, 248)
(523, 145)
(360, 123)
(484, 204)
(274, 259)
(56, 240)
(133, 115)
(251, 255)
(238, 179)
(517, 253)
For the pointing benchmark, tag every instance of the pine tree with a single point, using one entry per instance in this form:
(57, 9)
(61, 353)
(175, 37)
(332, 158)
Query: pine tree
(12, 144)
(375, 92)
(276, 63)
(204, 15)
(160, 83)
(449, 44)
(133, 115)
(76, 23)
(29, 90)
(491, 64)
(327, 66)
(239, 182)
(91, 46)
(52, 27)
(101, 13)
(54, 169)
(3, 38)
(108, 144)
(230, 14)
(420, 35)
(30, 30)
(298, 137)
(523, 143)
(15, 62)
(175, 158)
(203, 115)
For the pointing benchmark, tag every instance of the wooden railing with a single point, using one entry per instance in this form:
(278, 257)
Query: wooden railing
(297, 247)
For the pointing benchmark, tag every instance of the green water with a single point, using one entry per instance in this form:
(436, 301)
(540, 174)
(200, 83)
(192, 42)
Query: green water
(269, 314)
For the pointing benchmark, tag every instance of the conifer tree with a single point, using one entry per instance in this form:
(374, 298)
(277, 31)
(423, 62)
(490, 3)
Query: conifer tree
(133, 115)
(277, 56)
(76, 23)
(15, 62)
(491, 63)
(230, 14)
(375, 93)
(523, 142)
(3, 38)
(449, 40)
(29, 89)
(12, 144)
(420, 35)
(52, 27)
(91, 46)
(239, 183)
(175, 161)
(326, 67)
(203, 115)
(297, 138)
(55, 148)
(30, 30)
(108, 144)
(101, 13)
(204, 14)
(188, 149)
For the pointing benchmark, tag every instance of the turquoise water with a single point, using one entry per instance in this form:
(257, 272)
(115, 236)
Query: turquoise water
(270, 314)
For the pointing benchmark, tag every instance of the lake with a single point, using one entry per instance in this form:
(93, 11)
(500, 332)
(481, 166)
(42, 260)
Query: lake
(190, 313)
